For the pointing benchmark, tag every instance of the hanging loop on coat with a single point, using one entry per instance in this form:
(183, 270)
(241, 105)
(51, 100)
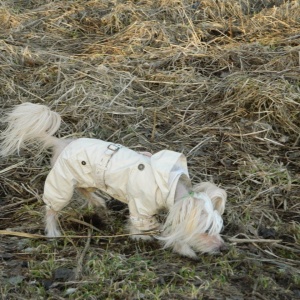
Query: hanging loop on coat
(114, 147)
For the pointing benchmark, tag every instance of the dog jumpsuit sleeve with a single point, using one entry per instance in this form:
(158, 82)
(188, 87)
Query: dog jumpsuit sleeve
(59, 186)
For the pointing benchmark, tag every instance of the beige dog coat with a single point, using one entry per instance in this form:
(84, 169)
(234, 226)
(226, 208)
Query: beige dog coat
(145, 183)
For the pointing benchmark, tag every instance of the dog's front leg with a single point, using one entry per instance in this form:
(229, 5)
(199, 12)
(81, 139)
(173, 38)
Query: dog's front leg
(137, 234)
(51, 223)
(143, 228)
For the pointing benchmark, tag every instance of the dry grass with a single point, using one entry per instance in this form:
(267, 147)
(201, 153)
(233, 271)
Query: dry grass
(217, 80)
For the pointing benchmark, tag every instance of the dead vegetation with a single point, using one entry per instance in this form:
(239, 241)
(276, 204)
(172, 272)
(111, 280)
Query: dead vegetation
(217, 80)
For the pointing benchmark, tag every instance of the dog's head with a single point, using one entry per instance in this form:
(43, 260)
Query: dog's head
(201, 223)
(195, 222)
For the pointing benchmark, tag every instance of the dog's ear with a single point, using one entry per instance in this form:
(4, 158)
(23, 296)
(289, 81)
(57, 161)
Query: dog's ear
(218, 202)
(217, 195)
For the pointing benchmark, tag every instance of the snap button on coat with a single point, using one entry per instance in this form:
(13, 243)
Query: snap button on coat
(141, 167)
(83, 163)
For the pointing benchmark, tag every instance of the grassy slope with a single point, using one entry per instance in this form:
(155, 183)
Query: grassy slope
(217, 80)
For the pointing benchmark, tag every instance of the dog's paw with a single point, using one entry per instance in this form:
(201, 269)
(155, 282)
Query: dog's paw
(143, 237)
(184, 250)
(53, 233)
(137, 234)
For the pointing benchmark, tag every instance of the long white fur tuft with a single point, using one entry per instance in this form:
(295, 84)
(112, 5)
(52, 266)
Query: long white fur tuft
(193, 223)
(51, 223)
(27, 124)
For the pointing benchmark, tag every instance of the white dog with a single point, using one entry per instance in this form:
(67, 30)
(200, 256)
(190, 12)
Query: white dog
(147, 183)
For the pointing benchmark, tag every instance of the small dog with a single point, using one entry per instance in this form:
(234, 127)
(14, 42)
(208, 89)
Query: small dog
(147, 183)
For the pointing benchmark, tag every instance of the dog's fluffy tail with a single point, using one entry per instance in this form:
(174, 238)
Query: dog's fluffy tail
(29, 124)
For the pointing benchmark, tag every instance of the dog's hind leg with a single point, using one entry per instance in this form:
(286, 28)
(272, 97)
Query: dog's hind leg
(51, 223)
(91, 197)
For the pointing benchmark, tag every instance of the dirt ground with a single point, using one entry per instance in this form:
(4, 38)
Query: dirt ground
(216, 80)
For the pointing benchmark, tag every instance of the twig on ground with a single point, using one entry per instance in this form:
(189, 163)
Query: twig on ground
(78, 270)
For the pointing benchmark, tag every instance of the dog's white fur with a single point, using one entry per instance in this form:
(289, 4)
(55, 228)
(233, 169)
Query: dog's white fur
(194, 221)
